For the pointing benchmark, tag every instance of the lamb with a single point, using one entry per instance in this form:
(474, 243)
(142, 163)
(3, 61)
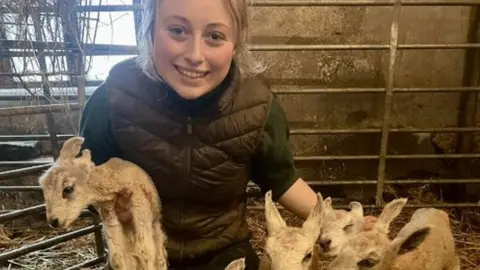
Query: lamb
(291, 247)
(426, 242)
(338, 225)
(73, 183)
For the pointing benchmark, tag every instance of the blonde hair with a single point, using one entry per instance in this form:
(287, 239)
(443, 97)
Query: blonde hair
(243, 58)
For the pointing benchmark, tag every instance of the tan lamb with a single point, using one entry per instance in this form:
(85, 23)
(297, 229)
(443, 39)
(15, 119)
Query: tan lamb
(426, 242)
(292, 248)
(73, 183)
(338, 225)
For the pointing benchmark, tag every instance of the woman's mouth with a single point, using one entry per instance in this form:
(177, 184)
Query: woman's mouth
(191, 74)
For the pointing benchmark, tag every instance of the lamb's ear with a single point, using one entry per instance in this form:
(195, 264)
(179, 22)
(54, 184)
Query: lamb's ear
(272, 216)
(85, 160)
(356, 208)
(410, 242)
(327, 204)
(238, 264)
(389, 213)
(313, 225)
(71, 148)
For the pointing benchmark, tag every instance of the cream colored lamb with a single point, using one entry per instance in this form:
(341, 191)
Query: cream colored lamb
(73, 183)
(338, 225)
(292, 248)
(426, 242)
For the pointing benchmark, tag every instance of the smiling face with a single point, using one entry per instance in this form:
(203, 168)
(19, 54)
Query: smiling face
(194, 44)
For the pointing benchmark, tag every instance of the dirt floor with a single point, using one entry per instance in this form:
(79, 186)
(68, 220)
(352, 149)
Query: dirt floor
(466, 227)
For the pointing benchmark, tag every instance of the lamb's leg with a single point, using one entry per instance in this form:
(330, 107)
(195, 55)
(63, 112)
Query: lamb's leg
(160, 241)
(456, 265)
(117, 247)
(144, 244)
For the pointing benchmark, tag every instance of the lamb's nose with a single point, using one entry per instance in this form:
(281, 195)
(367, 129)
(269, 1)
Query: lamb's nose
(325, 244)
(54, 222)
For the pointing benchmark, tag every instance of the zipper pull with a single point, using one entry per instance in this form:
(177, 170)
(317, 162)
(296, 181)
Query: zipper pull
(189, 126)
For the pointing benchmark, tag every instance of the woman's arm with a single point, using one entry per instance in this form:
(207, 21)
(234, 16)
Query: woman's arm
(273, 168)
(300, 199)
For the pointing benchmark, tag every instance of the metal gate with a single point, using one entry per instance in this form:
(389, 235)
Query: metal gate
(466, 131)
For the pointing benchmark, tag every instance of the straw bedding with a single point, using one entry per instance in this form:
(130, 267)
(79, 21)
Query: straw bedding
(465, 223)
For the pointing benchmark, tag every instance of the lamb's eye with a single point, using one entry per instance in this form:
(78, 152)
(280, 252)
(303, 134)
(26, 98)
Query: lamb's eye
(67, 191)
(348, 227)
(367, 263)
(307, 257)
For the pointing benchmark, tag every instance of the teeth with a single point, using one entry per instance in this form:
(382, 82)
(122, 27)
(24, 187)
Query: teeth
(190, 74)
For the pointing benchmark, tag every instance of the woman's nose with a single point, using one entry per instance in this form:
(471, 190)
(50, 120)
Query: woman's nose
(194, 53)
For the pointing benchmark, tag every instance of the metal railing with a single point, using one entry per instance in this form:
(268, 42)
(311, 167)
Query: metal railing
(385, 130)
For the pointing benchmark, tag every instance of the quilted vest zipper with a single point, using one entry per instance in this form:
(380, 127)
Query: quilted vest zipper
(186, 170)
(188, 150)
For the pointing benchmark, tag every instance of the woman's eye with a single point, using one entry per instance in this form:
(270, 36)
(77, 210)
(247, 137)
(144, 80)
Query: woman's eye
(176, 30)
(216, 37)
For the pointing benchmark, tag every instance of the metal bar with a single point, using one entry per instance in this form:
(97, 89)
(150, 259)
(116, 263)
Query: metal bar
(46, 88)
(300, 3)
(330, 157)
(371, 157)
(373, 130)
(310, 3)
(467, 107)
(371, 90)
(291, 91)
(20, 188)
(23, 171)
(83, 214)
(336, 47)
(5, 256)
(433, 156)
(373, 206)
(22, 163)
(32, 137)
(22, 213)
(38, 109)
(112, 49)
(388, 103)
(292, 132)
(266, 3)
(88, 263)
(316, 183)
(99, 244)
(137, 19)
(44, 165)
(10, 74)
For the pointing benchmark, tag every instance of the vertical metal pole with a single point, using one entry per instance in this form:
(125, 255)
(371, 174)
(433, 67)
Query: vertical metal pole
(137, 18)
(387, 108)
(467, 106)
(46, 87)
(99, 244)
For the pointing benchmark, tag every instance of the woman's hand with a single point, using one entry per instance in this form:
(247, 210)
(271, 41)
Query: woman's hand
(122, 206)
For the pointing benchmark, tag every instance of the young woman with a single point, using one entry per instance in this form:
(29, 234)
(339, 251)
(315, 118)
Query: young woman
(190, 112)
